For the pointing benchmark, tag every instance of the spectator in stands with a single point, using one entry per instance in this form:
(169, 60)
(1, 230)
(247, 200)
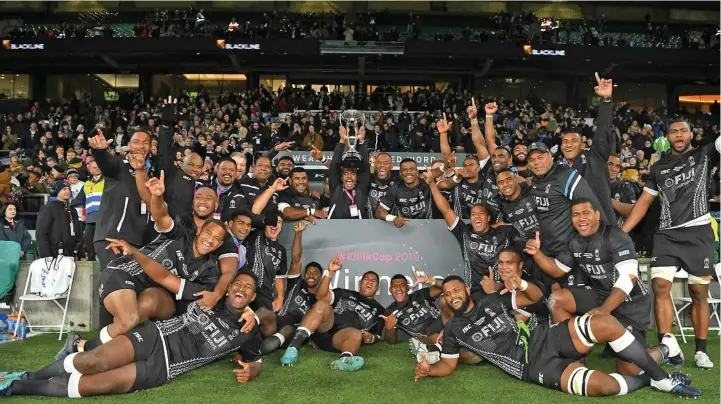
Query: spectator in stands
(312, 139)
(9, 139)
(58, 224)
(14, 230)
(5, 183)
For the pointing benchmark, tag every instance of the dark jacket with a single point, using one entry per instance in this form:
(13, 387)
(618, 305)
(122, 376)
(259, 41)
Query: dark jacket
(339, 201)
(15, 232)
(179, 186)
(54, 227)
(120, 205)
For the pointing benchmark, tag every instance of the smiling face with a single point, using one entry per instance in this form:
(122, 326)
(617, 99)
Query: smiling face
(614, 167)
(299, 182)
(571, 145)
(350, 176)
(585, 219)
(262, 169)
(240, 227)
(210, 238)
(540, 163)
(399, 290)
(284, 167)
(409, 172)
(509, 264)
(480, 219)
(226, 173)
(368, 285)
(501, 159)
(312, 276)
(241, 292)
(204, 203)
(457, 295)
(383, 166)
(193, 165)
(272, 232)
(140, 143)
(508, 185)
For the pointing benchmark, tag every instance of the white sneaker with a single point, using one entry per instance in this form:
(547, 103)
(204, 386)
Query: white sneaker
(703, 361)
(432, 357)
(675, 355)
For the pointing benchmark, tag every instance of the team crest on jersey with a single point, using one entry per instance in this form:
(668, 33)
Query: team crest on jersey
(529, 207)
(598, 256)
(706, 262)
(583, 159)
(167, 263)
(490, 312)
(233, 334)
(669, 182)
(691, 161)
(548, 188)
(406, 321)
(570, 280)
(232, 203)
(618, 197)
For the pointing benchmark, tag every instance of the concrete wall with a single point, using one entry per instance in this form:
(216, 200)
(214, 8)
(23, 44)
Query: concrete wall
(83, 308)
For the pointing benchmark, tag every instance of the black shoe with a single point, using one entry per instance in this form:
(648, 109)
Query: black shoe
(681, 377)
(71, 346)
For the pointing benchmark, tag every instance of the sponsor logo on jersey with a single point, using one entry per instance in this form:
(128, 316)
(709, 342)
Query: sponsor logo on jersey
(598, 255)
(540, 377)
(624, 252)
(138, 336)
(548, 188)
(691, 161)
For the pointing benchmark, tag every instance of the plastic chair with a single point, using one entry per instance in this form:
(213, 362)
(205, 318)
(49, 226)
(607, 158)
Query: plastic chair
(685, 303)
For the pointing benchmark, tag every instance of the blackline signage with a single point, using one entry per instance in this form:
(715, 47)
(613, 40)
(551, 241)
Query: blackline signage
(528, 50)
(9, 45)
(237, 46)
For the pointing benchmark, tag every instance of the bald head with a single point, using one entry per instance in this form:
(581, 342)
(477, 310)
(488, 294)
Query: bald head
(193, 165)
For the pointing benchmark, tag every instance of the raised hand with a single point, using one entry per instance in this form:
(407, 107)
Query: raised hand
(430, 176)
(98, 142)
(167, 112)
(512, 283)
(316, 154)
(156, 186)
(120, 247)
(491, 108)
(472, 110)
(300, 226)
(488, 283)
(343, 134)
(335, 264)
(604, 89)
(361, 134)
(421, 277)
(443, 125)
(533, 245)
(136, 161)
(390, 321)
(280, 184)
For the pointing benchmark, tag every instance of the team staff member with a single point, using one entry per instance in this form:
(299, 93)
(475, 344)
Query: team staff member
(180, 183)
(153, 353)
(623, 197)
(297, 202)
(410, 199)
(249, 188)
(348, 185)
(554, 187)
(592, 164)
(534, 352)
(607, 256)
(299, 295)
(227, 189)
(685, 238)
(124, 213)
(340, 321)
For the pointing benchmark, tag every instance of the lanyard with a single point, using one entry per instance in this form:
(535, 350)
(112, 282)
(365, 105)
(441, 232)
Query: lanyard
(352, 197)
(241, 252)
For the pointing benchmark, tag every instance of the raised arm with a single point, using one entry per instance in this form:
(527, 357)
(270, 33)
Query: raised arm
(364, 174)
(603, 139)
(490, 139)
(262, 200)
(323, 292)
(441, 202)
(158, 207)
(297, 252)
(443, 127)
(476, 135)
(334, 172)
(109, 165)
(165, 135)
(547, 264)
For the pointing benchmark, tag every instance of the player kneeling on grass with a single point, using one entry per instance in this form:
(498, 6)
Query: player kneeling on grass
(153, 353)
(538, 353)
(340, 321)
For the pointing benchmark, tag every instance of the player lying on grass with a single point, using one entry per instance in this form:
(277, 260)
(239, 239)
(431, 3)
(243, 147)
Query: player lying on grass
(340, 321)
(538, 353)
(152, 353)
(299, 294)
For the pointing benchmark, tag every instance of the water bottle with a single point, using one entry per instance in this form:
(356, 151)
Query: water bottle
(22, 330)
(12, 320)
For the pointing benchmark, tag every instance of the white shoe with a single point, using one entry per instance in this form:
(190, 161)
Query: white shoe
(672, 344)
(703, 361)
(432, 357)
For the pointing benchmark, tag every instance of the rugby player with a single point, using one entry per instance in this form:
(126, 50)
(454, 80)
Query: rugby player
(340, 321)
(299, 295)
(409, 199)
(535, 352)
(517, 204)
(520, 163)
(685, 238)
(382, 180)
(153, 353)
(415, 314)
(592, 164)
(297, 202)
(623, 197)
(607, 256)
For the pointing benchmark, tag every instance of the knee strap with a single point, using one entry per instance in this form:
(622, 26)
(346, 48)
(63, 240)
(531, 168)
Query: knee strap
(578, 382)
(582, 325)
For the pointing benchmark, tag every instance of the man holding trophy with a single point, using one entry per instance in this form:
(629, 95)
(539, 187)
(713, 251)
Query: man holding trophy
(349, 174)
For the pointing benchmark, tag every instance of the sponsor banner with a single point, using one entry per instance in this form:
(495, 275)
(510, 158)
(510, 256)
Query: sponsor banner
(528, 50)
(373, 245)
(317, 171)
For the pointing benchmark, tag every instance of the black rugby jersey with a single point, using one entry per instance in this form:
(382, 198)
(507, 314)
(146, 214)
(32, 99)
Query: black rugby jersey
(353, 310)
(521, 213)
(377, 190)
(480, 251)
(623, 192)
(197, 338)
(290, 198)
(411, 203)
(466, 195)
(683, 183)
(418, 315)
(599, 256)
(297, 297)
(226, 250)
(268, 260)
(489, 191)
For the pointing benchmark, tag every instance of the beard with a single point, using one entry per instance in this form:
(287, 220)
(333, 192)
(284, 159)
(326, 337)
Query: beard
(203, 217)
(464, 307)
(518, 162)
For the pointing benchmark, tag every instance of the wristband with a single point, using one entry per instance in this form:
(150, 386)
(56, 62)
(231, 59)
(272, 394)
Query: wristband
(431, 282)
(457, 179)
(373, 338)
(523, 286)
(326, 274)
(606, 99)
(312, 211)
(390, 218)
(474, 120)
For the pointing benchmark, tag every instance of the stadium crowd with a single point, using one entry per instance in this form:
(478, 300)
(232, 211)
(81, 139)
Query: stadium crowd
(538, 206)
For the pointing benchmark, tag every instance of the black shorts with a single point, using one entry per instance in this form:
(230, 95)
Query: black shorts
(324, 340)
(690, 248)
(150, 358)
(551, 351)
(289, 319)
(112, 280)
(262, 301)
(634, 315)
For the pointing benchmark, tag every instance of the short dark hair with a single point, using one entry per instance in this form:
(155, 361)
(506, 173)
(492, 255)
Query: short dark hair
(257, 159)
(211, 220)
(677, 119)
(241, 212)
(484, 206)
(451, 278)
(504, 170)
(582, 200)
(399, 276)
(313, 264)
(384, 153)
(378, 278)
(297, 170)
(247, 272)
(226, 159)
(471, 157)
(407, 160)
(508, 152)
(204, 186)
(513, 250)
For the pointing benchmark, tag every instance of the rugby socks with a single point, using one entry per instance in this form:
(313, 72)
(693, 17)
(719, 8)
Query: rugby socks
(629, 384)
(631, 350)
(346, 354)
(272, 343)
(59, 386)
(101, 339)
(700, 345)
(53, 370)
(301, 335)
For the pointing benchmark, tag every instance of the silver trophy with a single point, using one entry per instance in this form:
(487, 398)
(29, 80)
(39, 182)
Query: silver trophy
(352, 120)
